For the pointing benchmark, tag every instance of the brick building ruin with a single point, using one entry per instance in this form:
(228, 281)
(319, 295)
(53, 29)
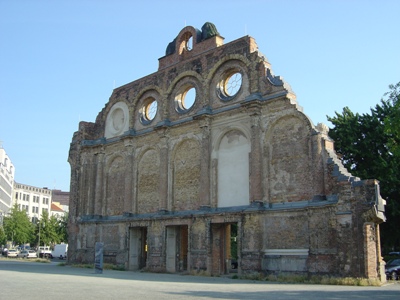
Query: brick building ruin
(210, 162)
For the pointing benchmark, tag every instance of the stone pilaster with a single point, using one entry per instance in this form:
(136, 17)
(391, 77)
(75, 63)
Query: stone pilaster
(129, 176)
(205, 197)
(84, 179)
(164, 160)
(92, 184)
(99, 191)
(256, 192)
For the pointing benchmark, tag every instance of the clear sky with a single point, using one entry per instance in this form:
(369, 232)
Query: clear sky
(60, 60)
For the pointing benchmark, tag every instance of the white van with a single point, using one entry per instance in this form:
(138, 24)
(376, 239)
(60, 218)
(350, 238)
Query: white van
(60, 251)
(44, 252)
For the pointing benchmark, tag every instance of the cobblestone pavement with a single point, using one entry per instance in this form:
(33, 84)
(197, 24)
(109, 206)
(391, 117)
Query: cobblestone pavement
(32, 280)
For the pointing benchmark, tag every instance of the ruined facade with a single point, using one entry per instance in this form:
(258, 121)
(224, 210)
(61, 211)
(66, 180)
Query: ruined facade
(210, 163)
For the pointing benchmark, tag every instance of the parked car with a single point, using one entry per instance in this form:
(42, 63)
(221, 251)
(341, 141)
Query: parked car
(27, 254)
(392, 269)
(12, 253)
(394, 253)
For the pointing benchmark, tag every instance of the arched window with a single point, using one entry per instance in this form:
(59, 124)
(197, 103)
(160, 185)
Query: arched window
(233, 169)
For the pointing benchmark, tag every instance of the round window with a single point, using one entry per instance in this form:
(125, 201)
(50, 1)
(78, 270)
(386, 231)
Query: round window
(148, 111)
(151, 110)
(188, 98)
(230, 85)
(185, 100)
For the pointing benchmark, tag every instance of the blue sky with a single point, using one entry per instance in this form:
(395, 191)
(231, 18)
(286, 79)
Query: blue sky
(60, 60)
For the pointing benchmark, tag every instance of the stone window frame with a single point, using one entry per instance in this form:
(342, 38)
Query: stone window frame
(142, 102)
(223, 74)
(224, 82)
(180, 92)
(118, 107)
(188, 41)
(144, 117)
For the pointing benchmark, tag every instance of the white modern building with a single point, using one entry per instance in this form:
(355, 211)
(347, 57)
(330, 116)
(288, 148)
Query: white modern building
(7, 172)
(34, 200)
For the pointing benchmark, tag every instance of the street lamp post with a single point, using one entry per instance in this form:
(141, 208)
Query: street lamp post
(39, 235)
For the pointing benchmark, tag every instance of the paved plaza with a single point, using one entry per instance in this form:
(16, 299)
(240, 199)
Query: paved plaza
(32, 280)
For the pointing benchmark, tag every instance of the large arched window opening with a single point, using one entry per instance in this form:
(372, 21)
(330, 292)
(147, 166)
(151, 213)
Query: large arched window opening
(233, 169)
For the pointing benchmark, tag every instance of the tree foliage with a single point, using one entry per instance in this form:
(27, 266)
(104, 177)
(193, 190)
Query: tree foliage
(17, 227)
(368, 145)
(48, 228)
(3, 238)
(62, 228)
(392, 122)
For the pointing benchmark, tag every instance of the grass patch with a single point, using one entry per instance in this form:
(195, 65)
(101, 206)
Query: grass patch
(41, 260)
(114, 267)
(91, 266)
(38, 260)
(200, 272)
(83, 266)
(315, 279)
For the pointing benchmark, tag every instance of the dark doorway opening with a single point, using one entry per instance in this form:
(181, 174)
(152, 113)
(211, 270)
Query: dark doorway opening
(137, 248)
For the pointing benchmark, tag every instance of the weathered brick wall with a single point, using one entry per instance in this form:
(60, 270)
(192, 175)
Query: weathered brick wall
(290, 160)
(148, 181)
(251, 158)
(199, 241)
(115, 186)
(186, 175)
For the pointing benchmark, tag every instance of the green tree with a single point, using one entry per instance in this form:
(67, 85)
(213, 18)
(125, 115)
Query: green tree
(392, 122)
(3, 238)
(367, 145)
(62, 230)
(46, 230)
(17, 227)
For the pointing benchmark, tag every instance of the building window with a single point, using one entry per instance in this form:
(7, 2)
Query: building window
(185, 99)
(148, 111)
(229, 85)
(187, 42)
